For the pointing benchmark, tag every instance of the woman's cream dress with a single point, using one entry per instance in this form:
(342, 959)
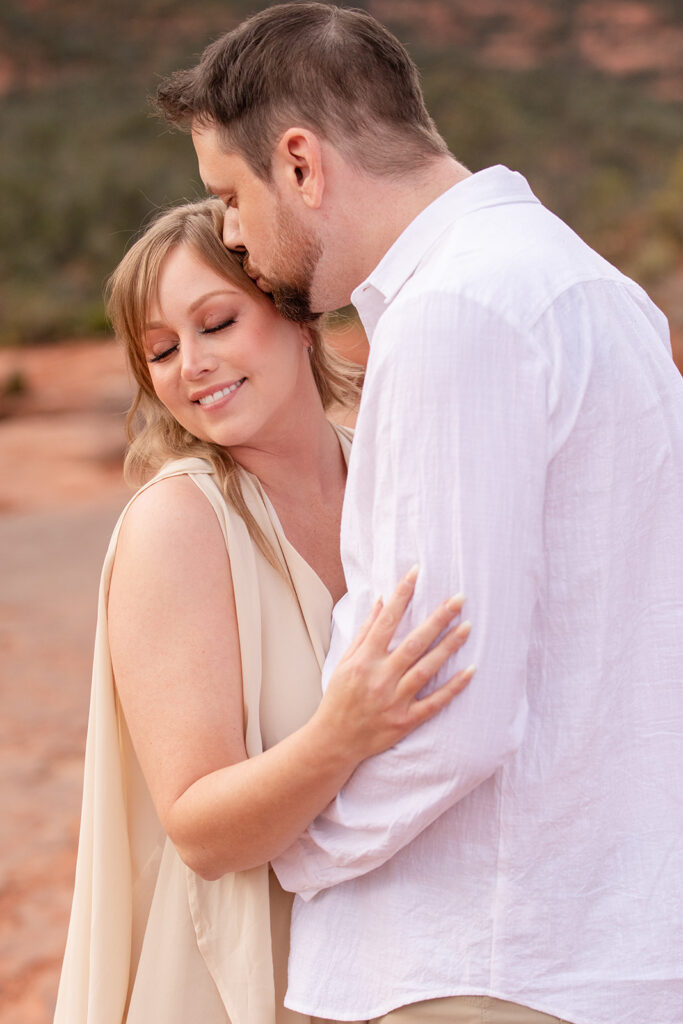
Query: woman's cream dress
(149, 941)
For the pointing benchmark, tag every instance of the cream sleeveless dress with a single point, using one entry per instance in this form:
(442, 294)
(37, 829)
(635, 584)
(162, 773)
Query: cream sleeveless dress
(149, 941)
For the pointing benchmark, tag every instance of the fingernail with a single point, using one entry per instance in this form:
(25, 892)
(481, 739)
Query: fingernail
(469, 671)
(454, 604)
(411, 575)
(464, 628)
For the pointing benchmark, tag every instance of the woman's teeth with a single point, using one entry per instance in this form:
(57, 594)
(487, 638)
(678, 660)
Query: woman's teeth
(210, 399)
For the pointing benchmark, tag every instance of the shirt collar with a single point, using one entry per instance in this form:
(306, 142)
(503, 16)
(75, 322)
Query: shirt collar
(490, 187)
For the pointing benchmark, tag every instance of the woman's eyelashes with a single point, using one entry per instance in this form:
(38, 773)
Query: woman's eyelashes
(218, 327)
(163, 355)
(213, 329)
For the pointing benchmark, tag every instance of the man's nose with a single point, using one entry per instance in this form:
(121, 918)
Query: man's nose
(232, 238)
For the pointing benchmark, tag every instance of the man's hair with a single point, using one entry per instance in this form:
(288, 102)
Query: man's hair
(335, 71)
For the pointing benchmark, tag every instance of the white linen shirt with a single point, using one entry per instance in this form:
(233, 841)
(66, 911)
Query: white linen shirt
(521, 438)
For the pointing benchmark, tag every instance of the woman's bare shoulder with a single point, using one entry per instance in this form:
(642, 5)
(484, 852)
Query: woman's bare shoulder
(170, 506)
(171, 528)
(174, 639)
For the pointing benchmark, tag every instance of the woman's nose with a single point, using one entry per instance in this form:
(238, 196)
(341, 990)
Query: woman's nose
(232, 238)
(197, 358)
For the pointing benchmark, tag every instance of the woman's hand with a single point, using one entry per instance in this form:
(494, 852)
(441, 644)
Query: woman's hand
(372, 698)
(175, 650)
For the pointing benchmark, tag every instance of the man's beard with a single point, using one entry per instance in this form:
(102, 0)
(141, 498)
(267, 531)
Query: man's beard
(297, 259)
(294, 302)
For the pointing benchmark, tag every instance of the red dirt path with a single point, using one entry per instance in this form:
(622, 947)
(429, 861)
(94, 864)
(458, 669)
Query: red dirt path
(60, 493)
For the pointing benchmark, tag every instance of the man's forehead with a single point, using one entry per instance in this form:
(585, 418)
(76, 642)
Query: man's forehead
(219, 168)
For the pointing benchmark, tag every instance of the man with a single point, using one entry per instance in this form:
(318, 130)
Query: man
(521, 437)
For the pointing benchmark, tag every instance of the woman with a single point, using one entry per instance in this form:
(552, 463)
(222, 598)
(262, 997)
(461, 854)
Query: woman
(209, 749)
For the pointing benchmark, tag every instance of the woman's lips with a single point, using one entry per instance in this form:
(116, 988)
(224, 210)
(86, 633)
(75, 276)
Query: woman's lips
(216, 395)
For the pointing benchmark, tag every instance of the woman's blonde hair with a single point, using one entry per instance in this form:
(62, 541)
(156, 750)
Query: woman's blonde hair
(154, 435)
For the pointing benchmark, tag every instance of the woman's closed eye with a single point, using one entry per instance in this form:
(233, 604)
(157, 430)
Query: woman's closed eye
(218, 327)
(163, 355)
(208, 329)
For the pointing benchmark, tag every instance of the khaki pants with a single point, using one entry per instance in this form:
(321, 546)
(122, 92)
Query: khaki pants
(466, 1010)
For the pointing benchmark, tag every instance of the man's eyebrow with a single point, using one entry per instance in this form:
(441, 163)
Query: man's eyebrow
(213, 190)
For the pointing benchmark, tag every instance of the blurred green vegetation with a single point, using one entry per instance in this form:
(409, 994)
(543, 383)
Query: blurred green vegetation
(83, 163)
(603, 153)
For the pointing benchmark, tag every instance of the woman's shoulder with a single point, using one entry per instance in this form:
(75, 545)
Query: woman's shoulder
(167, 514)
(178, 481)
(170, 548)
(164, 493)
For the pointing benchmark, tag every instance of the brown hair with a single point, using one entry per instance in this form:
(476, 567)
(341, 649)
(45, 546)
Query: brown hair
(154, 435)
(336, 71)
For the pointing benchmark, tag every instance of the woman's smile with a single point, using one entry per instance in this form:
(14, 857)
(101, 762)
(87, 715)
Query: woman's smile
(214, 397)
(207, 338)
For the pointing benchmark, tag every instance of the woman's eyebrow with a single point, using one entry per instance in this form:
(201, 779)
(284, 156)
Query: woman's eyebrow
(210, 295)
(154, 325)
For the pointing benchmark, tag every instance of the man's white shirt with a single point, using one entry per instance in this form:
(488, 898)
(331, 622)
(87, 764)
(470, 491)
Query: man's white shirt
(521, 438)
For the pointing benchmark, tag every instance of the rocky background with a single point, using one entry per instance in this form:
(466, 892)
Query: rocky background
(60, 492)
(586, 98)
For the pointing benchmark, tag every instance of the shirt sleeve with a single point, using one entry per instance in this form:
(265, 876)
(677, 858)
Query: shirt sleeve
(448, 470)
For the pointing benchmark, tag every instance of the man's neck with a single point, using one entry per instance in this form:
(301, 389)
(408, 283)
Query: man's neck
(386, 206)
(412, 196)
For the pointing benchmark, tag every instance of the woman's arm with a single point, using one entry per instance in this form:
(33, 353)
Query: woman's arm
(175, 652)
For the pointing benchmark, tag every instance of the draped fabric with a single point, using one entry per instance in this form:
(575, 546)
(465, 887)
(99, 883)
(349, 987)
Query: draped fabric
(149, 940)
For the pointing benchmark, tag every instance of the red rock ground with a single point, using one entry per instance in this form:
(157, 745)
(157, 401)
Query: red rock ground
(60, 492)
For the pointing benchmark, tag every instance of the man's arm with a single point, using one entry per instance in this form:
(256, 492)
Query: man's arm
(457, 413)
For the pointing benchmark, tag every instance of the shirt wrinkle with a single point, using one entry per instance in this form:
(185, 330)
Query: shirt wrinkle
(520, 437)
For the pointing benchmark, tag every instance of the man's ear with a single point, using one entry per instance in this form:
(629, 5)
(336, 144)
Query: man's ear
(298, 165)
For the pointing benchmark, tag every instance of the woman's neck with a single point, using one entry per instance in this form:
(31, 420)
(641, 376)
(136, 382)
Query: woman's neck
(304, 478)
(304, 462)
